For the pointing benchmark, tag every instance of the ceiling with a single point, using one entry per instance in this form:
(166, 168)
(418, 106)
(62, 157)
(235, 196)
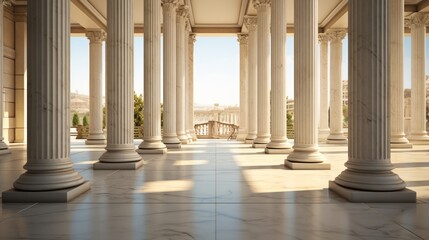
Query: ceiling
(220, 16)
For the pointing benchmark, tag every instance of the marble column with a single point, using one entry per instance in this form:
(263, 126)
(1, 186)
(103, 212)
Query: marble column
(417, 22)
(4, 149)
(96, 135)
(263, 76)
(120, 151)
(278, 143)
(324, 103)
(20, 17)
(152, 141)
(305, 153)
(397, 135)
(188, 30)
(182, 14)
(336, 134)
(169, 136)
(191, 41)
(243, 39)
(369, 176)
(252, 112)
(50, 176)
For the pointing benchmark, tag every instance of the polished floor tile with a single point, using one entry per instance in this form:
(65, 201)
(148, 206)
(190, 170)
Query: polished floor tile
(216, 189)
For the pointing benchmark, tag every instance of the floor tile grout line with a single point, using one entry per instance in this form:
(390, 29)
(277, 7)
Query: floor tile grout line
(393, 221)
(22, 210)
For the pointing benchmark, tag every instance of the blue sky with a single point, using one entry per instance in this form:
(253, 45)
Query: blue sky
(216, 67)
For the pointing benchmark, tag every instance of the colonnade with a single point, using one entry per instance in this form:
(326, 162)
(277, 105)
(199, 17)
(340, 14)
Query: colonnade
(368, 176)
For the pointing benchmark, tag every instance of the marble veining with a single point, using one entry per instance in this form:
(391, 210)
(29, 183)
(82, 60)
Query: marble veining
(216, 189)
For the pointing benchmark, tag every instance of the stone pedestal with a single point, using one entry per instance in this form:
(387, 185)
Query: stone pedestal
(305, 153)
(96, 135)
(324, 103)
(152, 80)
(417, 22)
(263, 81)
(369, 170)
(336, 134)
(243, 39)
(4, 149)
(397, 135)
(169, 136)
(49, 168)
(251, 24)
(182, 14)
(278, 143)
(120, 151)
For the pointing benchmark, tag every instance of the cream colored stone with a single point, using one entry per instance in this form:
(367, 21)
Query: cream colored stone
(251, 24)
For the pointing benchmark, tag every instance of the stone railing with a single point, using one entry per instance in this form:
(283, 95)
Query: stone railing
(216, 130)
(83, 131)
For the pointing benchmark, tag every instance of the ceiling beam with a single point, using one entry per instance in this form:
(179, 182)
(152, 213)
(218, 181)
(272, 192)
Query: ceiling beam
(216, 30)
(335, 15)
(91, 12)
(410, 8)
(422, 5)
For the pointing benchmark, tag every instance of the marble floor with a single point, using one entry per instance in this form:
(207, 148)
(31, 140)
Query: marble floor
(216, 189)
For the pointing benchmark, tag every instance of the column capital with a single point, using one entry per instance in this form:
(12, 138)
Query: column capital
(182, 12)
(192, 38)
(417, 20)
(169, 4)
(6, 2)
(251, 22)
(323, 38)
(243, 38)
(96, 36)
(336, 35)
(188, 26)
(259, 3)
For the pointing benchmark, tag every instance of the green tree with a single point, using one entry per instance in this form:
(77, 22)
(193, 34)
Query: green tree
(75, 120)
(289, 117)
(345, 115)
(104, 117)
(138, 109)
(85, 121)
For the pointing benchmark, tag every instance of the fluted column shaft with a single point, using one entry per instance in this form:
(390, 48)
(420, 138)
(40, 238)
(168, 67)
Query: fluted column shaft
(397, 135)
(3, 146)
(417, 23)
(324, 104)
(182, 13)
(169, 136)
(278, 78)
(152, 79)
(96, 135)
(264, 74)
(119, 84)
(251, 23)
(243, 39)
(191, 41)
(336, 134)
(48, 151)
(305, 147)
(369, 167)
(188, 127)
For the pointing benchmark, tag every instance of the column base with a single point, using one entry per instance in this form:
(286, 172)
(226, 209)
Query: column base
(323, 134)
(183, 138)
(337, 141)
(307, 166)
(401, 145)
(306, 154)
(95, 142)
(278, 150)
(152, 147)
(259, 145)
(118, 166)
(248, 141)
(419, 139)
(241, 136)
(152, 151)
(194, 137)
(63, 195)
(5, 151)
(173, 145)
(402, 196)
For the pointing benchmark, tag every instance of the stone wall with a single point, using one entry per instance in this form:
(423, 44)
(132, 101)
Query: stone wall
(9, 74)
